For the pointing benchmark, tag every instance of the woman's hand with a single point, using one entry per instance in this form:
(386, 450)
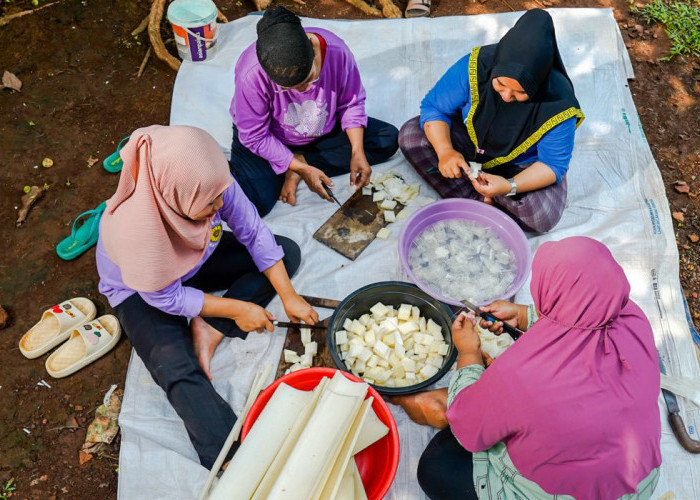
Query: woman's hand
(315, 178)
(489, 185)
(466, 340)
(298, 309)
(513, 314)
(452, 163)
(253, 317)
(360, 171)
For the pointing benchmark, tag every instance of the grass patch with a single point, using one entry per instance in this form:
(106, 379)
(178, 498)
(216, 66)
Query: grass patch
(682, 23)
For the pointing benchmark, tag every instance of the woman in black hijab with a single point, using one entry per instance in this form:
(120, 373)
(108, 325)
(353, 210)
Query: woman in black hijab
(511, 108)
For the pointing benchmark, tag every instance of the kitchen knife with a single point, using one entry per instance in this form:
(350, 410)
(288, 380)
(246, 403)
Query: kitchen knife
(511, 330)
(675, 419)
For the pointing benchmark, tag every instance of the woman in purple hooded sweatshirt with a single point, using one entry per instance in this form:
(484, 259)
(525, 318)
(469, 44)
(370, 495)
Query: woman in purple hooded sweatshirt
(299, 113)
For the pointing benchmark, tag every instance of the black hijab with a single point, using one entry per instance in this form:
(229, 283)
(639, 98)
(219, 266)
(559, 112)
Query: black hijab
(528, 53)
(284, 51)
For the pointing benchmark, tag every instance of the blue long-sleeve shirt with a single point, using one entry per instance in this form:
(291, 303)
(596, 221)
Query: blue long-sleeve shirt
(451, 94)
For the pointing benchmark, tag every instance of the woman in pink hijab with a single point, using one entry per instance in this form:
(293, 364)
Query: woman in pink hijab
(162, 251)
(570, 409)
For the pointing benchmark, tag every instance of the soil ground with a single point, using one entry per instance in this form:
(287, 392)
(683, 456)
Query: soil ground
(78, 63)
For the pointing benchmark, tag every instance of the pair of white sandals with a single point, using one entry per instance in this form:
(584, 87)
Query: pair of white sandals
(72, 324)
(418, 8)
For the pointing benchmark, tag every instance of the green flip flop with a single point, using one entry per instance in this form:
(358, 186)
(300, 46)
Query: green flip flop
(83, 237)
(113, 163)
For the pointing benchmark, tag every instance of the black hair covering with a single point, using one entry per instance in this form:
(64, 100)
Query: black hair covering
(284, 51)
(527, 53)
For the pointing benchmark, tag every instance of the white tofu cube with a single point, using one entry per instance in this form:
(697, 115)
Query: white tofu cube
(305, 335)
(341, 337)
(372, 361)
(398, 372)
(295, 367)
(378, 310)
(383, 363)
(444, 349)
(389, 216)
(410, 376)
(355, 350)
(387, 204)
(359, 366)
(357, 327)
(427, 340)
(400, 351)
(365, 319)
(344, 347)
(421, 349)
(306, 360)
(290, 356)
(349, 360)
(428, 371)
(434, 328)
(404, 312)
(367, 191)
(364, 355)
(408, 327)
(398, 339)
(415, 314)
(408, 364)
(369, 380)
(347, 324)
(436, 361)
(379, 195)
(311, 348)
(383, 233)
(381, 349)
(370, 338)
(422, 324)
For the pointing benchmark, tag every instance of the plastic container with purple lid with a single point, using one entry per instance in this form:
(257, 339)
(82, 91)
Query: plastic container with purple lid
(475, 211)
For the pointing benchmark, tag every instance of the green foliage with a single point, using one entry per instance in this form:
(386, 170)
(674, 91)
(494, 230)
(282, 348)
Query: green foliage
(682, 23)
(6, 488)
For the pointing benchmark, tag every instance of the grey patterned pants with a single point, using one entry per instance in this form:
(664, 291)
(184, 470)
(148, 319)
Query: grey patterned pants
(536, 211)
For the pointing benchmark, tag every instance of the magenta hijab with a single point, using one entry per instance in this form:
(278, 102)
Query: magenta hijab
(575, 399)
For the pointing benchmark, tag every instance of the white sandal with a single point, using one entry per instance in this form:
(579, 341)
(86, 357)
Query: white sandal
(86, 344)
(418, 8)
(55, 326)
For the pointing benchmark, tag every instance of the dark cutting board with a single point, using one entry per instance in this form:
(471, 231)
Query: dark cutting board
(354, 225)
(293, 339)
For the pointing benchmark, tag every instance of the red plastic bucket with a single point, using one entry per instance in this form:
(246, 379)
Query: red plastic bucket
(378, 463)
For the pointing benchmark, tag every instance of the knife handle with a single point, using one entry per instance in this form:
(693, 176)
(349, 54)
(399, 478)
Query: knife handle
(511, 330)
(688, 443)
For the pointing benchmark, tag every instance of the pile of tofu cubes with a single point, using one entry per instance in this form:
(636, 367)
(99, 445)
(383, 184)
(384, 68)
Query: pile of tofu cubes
(392, 347)
(305, 360)
(389, 190)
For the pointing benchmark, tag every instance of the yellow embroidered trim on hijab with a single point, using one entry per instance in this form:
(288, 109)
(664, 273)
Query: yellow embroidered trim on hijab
(527, 143)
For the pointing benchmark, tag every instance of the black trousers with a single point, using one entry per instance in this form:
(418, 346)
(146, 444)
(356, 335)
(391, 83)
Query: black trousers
(164, 343)
(330, 153)
(445, 469)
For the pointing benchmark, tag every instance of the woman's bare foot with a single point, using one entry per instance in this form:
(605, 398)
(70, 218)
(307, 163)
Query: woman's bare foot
(205, 338)
(425, 408)
(289, 188)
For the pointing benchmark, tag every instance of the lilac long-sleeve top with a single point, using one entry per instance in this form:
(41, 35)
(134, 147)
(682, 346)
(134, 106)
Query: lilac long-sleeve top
(177, 299)
(269, 121)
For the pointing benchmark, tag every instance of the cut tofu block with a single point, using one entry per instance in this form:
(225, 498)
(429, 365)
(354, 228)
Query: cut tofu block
(428, 371)
(404, 312)
(305, 336)
(290, 356)
(381, 349)
(365, 319)
(311, 348)
(367, 191)
(444, 349)
(389, 216)
(379, 310)
(387, 204)
(357, 327)
(434, 328)
(372, 431)
(347, 324)
(355, 350)
(341, 337)
(253, 458)
(378, 195)
(408, 364)
(364, 355)
(408, 327)
(306, 360)
(383, 233)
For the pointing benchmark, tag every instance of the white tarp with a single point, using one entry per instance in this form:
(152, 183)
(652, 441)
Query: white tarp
(616, 195)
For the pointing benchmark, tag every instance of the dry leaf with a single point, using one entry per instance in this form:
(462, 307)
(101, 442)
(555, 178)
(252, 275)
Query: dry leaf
(682, 188)
(678, 216)
(694, 238)
(27, 201)
(83, 457)
(3, 318)
(91, 161)
(10, 81)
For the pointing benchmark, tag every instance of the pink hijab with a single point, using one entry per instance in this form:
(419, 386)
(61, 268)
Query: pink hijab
(170, 174)
(575, 399)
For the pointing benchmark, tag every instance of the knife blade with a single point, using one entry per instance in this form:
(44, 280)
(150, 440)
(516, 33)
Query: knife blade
(330, 193)
(515, 333)
(286, 324)
(675, 419)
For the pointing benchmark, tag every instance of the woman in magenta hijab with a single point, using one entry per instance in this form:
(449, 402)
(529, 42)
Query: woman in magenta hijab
(570, 409)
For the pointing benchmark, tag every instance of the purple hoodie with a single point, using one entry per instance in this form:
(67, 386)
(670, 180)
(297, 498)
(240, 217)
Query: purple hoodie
(268, 120)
